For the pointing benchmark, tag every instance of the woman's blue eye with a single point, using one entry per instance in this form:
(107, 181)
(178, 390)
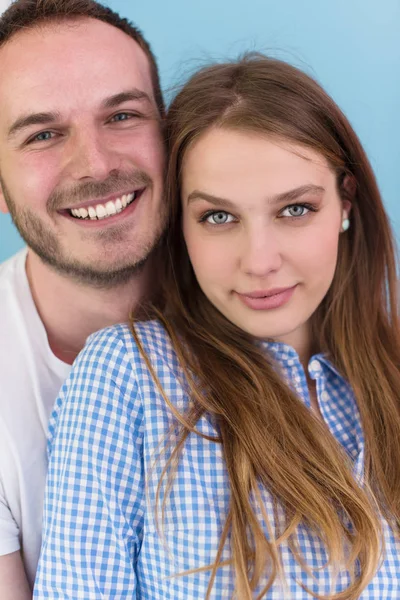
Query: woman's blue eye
(219, 218)
(295, 210)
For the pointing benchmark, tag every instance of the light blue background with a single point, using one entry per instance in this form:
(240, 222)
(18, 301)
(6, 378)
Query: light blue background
(351, 46)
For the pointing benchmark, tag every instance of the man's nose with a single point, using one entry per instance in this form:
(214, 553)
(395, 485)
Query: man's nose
(91, 158)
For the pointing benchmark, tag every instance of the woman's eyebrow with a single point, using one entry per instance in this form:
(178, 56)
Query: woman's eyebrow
(287, 196)
(296, 193)
(198, 195)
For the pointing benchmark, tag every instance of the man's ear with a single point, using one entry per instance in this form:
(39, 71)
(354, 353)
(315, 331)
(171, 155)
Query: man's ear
(3, 203)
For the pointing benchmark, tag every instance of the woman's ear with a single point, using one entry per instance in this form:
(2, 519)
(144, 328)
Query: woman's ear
(346, 209)
(348, 190)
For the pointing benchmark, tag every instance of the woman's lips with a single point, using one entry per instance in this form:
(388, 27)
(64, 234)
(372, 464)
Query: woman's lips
(268, 299)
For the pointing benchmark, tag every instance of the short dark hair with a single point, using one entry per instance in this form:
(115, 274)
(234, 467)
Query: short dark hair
(23, 14)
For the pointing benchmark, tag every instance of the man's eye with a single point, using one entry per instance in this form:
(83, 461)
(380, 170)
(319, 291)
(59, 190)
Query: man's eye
(43, 136)
(218, 218)
(295, 210)
(123, 116)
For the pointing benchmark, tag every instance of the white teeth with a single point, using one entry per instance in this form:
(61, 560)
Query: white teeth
(102, 211)
(110, 208)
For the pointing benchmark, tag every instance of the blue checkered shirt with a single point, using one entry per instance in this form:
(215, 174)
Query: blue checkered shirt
(102, 539)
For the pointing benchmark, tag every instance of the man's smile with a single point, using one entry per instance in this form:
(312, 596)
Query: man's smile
(101, 210)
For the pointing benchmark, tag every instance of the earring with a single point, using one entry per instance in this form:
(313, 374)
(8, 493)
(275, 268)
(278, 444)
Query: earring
(345, 224)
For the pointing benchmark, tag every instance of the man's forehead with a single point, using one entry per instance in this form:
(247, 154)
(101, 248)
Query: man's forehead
(58, 44)
(52, 27)
(85, 59)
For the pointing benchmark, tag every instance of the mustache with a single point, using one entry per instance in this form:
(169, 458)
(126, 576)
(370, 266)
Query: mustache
(117, 181)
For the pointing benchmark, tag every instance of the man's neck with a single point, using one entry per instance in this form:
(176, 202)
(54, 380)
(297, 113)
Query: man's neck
(71, 311)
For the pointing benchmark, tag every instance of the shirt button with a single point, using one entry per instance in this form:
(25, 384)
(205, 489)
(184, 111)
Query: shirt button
(315, 367)
(325, 396)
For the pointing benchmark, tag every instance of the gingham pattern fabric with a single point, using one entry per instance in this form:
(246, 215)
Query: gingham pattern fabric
(101, 539)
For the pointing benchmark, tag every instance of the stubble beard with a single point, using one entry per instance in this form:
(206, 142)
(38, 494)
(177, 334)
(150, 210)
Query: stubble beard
(46, 244)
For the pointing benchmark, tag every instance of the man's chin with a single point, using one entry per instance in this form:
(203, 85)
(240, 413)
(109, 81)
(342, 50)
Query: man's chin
(105, 264)
(94, 274)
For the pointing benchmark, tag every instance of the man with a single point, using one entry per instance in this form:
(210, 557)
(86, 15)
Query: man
(81, 172)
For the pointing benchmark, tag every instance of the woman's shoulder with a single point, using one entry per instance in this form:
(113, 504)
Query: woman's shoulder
(112, 374)
(117, 343)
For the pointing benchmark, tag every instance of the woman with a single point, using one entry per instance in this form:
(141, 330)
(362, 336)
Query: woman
(245, 441)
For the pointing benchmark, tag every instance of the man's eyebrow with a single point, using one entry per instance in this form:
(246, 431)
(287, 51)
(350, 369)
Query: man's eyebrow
(43, 118)
(126, 96)
(289, 196)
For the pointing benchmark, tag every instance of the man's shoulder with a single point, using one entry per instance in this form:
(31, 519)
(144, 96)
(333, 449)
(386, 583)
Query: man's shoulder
(13, 307)
(18, 315)
(14, 288)
(11, 269)
(29, 379)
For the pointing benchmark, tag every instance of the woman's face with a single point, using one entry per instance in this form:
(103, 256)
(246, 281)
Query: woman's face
(261, 221)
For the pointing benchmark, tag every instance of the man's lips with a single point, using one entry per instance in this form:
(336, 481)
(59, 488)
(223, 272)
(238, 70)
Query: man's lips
(267, 299)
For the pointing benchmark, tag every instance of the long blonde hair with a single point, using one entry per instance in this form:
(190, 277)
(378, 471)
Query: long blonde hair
(267, 434)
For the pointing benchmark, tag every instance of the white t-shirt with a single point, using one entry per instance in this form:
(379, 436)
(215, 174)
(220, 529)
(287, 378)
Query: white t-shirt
(30, 379)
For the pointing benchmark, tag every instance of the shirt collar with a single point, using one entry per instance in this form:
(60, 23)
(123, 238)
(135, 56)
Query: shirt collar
(287, 357)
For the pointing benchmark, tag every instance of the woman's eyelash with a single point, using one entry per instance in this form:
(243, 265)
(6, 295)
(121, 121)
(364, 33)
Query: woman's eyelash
(305, 205)
(309, 207)
(209, 213)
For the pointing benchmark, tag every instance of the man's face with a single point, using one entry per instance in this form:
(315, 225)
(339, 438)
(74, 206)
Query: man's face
(81, 150)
